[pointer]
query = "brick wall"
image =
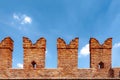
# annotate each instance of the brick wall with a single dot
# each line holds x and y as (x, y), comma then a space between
(6, 48)
(34, 54)
(100, 56)
(67, 68)
(67, 54)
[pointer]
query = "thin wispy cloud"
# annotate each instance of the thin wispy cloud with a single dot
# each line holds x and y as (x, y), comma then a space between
(16, 17)
(19, 65)
(22, 18)
(47, 54)
(116, 45)
(84, 51)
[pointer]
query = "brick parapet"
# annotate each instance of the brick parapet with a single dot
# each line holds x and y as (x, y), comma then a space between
(7, 43)
(67, 61)
(61, 44)
(94, 44)
(40, 43)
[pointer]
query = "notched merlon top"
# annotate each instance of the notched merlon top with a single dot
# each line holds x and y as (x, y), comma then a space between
(61, 44)
(94, 43)
(7, 43)
(40, 43)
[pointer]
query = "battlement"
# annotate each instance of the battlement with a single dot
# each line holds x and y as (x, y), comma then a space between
(34, 54)
(98, 52)
(61, 44)
(7, 43)
(67, 54)
(95, 44)
(67, 67)
(40, 43)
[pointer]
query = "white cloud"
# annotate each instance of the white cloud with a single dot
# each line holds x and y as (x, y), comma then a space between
(84, 51)
(16, 17)
(47, 54)
(19, 65)
(116, 45)
(26, 20)
(22, 18)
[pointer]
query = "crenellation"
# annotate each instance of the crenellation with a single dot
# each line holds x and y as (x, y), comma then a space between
(100, 56)
(34, 54)
(6, 48)
(61, 44)
(74, 43)
(67, 68)
(94, 43)
(67, 54)
(7, 43)
(26, 42)
(40, 43)
(108, 43)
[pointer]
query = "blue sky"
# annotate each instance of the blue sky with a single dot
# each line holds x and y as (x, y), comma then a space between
(61, 18)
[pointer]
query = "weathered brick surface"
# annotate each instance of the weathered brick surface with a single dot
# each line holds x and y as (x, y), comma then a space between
(100, 53)
(67, 54)
(67, 68)
(34, 54)
(6, 48)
